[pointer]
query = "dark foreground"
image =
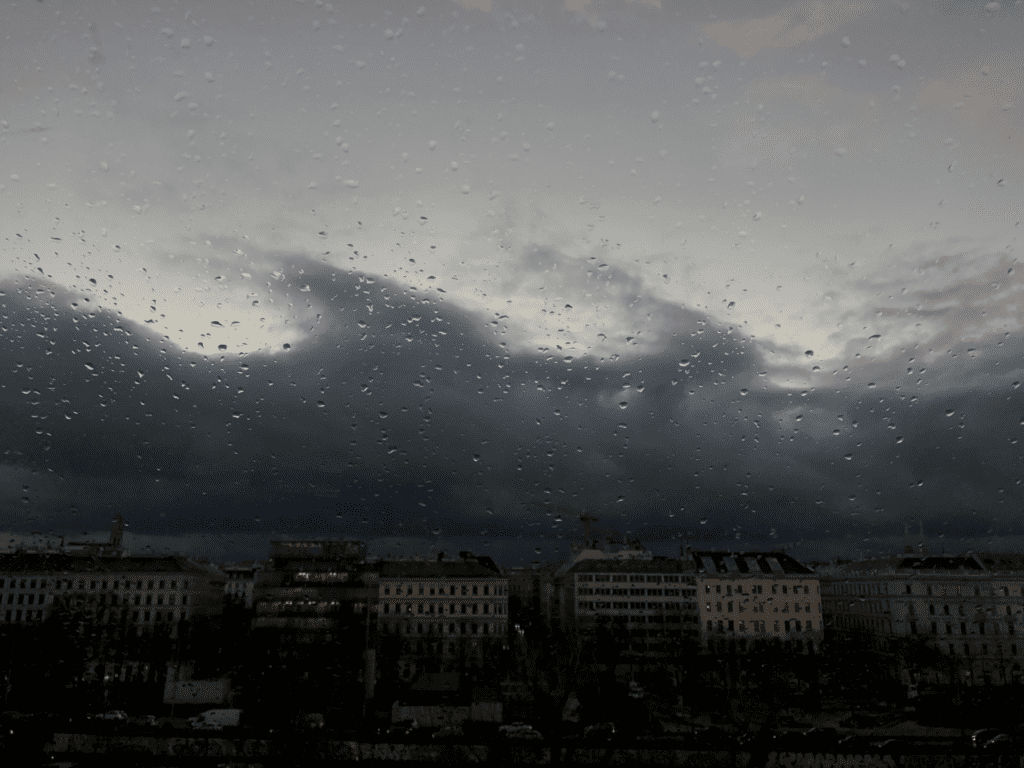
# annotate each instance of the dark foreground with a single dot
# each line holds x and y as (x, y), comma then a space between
(69, 750)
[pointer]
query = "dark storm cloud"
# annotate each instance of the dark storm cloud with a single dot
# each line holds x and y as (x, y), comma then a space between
(409, 417)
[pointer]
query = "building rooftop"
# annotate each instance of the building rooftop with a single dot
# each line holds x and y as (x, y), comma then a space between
(45, 562)
(972, 562)
(767, 563)
(611, 565)
(477, 567)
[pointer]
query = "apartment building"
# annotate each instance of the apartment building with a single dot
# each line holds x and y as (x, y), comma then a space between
(314, 589)
(747, 596)
(969, 607)
(647, 604)
(444, 600)
(137, 590)
(241, 581)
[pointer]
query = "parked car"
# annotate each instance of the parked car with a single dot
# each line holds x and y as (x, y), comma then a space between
(709, 735)
(172, 723)
(851, 743)
(599, 732)
(448, 733)
(821, 737)
(114, 715)
(216, 719)
(514, 728)
(310, 721)
(398, 729)
(528, 735)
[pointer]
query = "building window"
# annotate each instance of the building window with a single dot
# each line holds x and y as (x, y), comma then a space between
(475, 589)
(908, 588)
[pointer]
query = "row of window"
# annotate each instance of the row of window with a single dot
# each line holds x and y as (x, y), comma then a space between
(997, 650)
(635, 592)
(431, 608)
(908, 589)
(15, 615)
(960, 610)
(464, 589)
(964, 628)
(759, 608)
(759, 627)
(633, 578)
(591, 605)
(758, 589)
(462, 628)
(68, 584)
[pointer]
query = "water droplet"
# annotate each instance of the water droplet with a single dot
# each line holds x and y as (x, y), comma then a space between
(950, 412)
(899, 440)
(809, 353)
(476, 457)
(848, 457)
(800, 417)
(623, 404)
(743, 392)
(730, 305)
(835, 431)
(703, 521)
(382, 414)
(287, 346)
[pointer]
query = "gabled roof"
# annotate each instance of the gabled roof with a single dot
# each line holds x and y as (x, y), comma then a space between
(971, 562)
(716, 562)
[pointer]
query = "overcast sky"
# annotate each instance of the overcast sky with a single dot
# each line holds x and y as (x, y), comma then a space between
(446, 276)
